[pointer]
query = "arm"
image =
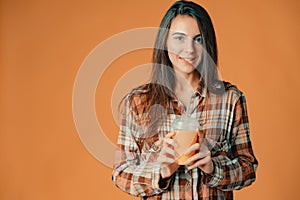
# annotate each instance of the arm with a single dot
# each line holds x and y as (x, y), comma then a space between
(134, 173)
(238, 170)
(138, 178)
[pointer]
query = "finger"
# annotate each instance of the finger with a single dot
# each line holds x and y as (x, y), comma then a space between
(192, 148)
(170, 151)
(196, 157)
(158, 143)
(204, 148)
(165, 160)
(194, 165)
(170, 142)
(200, 162)
(170, 135)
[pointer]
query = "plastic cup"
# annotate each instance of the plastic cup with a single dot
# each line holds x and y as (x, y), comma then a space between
(185, 129)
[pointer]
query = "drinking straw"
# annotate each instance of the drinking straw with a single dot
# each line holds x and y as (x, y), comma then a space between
(187, 113)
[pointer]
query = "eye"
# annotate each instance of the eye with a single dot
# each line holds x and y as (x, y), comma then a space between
(179, 38)
(199, 39)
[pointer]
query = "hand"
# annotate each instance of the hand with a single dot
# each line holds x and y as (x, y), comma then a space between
(201, 158)
(167, 156)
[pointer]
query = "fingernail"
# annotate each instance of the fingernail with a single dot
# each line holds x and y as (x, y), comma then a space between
(186, 162)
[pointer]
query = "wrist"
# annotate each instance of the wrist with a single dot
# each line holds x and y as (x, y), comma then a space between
(168, 170)
(209, 168)
(164, 172)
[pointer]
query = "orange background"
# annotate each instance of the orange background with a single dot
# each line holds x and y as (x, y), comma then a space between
(43, 44)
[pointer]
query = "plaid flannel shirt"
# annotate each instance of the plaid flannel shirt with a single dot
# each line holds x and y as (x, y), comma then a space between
(223, 119)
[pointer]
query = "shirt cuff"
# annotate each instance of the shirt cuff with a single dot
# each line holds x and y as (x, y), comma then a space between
(214, 179)
(159, 184)
(164, 183)
(156, 178)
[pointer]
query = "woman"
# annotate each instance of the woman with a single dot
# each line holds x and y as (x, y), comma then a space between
(184, 82)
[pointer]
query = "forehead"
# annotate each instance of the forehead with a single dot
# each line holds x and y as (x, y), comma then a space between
(185, 24)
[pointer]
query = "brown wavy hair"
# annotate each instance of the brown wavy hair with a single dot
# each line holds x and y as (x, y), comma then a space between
(162, 71)
(161, 88)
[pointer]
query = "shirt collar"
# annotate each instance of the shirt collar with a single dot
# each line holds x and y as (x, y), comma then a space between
(201, 89)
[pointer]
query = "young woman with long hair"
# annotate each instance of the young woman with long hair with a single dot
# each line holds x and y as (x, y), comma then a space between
(184, 81)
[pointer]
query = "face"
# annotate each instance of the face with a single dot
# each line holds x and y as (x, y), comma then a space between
(184, 44)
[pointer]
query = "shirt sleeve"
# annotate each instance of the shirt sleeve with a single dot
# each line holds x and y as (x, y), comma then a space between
(235, 168)
(134, 173)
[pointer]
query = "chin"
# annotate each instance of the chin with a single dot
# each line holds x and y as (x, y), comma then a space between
(185, 69)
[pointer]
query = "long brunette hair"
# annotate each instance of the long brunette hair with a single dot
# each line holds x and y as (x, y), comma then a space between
(162, 71)
(161, 88)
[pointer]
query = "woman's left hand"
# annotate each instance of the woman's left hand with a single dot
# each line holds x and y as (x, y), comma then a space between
(201, 158)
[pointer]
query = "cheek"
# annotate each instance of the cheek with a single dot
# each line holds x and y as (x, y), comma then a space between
(199, 51)
(174, 48)
(172, 57)
(199, 48)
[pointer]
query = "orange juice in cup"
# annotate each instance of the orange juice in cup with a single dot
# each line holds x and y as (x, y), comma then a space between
(185, 129)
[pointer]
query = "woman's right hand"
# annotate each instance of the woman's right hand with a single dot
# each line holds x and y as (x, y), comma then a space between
(167, 156)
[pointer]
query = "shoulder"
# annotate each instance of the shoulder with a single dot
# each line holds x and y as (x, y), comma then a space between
(233, 93)
(139, 95)
(142, 89)
(233, 90)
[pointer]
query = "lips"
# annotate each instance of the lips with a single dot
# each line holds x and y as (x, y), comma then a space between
(189, 60)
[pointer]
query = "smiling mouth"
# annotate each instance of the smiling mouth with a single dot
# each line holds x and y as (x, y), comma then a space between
(188, 60)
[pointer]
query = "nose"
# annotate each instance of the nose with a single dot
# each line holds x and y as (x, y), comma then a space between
(189, 46)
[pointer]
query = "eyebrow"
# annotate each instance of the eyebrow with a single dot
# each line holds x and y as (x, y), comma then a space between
(183, 34)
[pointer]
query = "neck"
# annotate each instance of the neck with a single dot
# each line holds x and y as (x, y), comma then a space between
(186, 82)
